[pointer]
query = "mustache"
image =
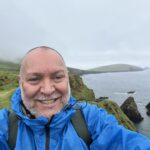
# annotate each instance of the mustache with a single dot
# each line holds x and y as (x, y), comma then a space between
(45, 97)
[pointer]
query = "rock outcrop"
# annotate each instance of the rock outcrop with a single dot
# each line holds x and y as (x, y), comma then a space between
(129, 107)
(148, 109)
(102, 98)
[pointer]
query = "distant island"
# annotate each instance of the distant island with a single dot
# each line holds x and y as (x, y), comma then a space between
(6, 65)
(106, 69)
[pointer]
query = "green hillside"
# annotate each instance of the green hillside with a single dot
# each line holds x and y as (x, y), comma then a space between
(6, 65)
(76, 71)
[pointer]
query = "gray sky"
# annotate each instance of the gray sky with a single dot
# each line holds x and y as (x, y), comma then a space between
(88, 33)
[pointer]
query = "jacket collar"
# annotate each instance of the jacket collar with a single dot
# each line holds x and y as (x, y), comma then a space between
(58, 119)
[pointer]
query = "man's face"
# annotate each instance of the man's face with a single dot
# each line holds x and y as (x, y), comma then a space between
(44, 83)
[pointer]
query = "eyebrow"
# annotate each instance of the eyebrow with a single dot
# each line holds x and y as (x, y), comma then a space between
(33, 74)
(39, 73)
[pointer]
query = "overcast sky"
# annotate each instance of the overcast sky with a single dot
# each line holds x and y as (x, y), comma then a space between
(88, 33)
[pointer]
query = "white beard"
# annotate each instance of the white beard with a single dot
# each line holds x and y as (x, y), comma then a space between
(33, 111)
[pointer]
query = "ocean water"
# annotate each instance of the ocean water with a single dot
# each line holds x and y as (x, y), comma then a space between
(116, 85)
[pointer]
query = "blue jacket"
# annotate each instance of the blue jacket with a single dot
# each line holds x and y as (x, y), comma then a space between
(104, 129)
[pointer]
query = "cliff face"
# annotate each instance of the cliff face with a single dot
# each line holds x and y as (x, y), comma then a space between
(113, 108)
(79, 90)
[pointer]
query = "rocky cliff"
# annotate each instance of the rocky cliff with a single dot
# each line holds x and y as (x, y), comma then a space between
(81, 92)
(79, 89)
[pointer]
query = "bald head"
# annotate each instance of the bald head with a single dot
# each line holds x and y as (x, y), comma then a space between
(37, 52)
(44, 48)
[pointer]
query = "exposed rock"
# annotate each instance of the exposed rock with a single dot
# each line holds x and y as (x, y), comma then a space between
(78, 89)
(148, 108)
(148, 113)
(113, 108)
(102, 98)
(129, 107)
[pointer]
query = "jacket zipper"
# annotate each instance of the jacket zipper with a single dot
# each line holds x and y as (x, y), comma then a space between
(47, 136)
(47, 129)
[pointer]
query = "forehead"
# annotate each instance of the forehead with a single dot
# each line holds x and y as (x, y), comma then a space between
(43, 60)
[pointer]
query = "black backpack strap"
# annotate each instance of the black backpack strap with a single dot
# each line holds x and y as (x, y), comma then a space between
(77, 120)
(80, 126)
(12, 129)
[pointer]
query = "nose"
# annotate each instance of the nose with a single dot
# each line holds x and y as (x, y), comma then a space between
(47, 87)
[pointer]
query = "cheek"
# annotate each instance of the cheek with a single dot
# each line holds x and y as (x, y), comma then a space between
(29, 91)
(64, 88)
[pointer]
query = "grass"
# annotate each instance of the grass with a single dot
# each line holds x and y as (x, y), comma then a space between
(8, 83)
(5, 98)
(8, 79)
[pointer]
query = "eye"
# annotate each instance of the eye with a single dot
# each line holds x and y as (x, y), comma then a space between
(59, 77)
(33, 80)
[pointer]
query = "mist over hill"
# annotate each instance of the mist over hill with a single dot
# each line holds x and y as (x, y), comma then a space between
(102, 69)
(117, 68)
(108, 68)
(8, 65)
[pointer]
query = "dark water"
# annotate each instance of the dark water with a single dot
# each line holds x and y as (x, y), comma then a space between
(116, 85)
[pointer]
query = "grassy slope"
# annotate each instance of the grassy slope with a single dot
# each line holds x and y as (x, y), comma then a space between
(78, 89)
(6, 65)
(114, 109)
(5, 97)
(8, 83)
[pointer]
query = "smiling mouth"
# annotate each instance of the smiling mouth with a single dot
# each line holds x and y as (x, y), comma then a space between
(49, 101)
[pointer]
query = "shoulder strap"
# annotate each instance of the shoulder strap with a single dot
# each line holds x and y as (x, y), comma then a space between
(80, 126)
(77, 120)
(12, 129)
